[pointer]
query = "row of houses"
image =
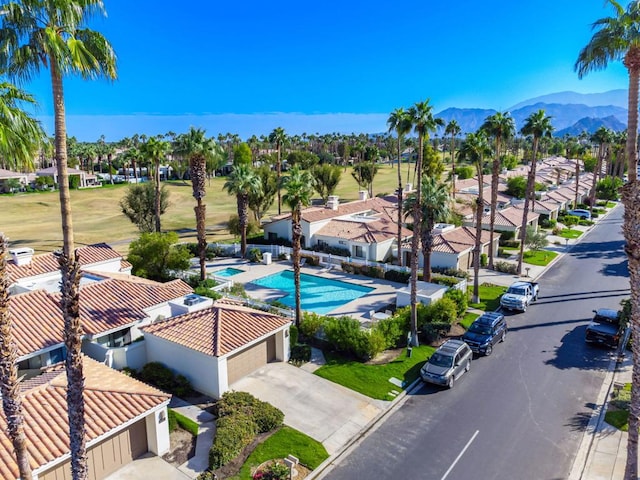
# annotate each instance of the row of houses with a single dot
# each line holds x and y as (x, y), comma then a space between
(367, 228)
(127, 322)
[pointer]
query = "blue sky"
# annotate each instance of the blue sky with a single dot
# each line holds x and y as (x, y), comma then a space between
(247, 67)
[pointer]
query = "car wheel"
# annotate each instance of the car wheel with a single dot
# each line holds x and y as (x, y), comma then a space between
(467, 366)
(488, 350)
(503, 336)
(450, 382)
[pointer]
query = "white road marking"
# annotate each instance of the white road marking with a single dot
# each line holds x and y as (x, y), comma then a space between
(446, 474)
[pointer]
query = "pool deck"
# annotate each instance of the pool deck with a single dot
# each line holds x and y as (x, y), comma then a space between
(383, 295)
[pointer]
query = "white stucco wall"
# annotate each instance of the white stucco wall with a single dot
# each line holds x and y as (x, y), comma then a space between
(200, 369)
(158, 431)
(443, 260)
(281, 228)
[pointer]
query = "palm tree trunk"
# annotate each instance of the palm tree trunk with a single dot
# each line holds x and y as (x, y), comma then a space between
(279, 174)
(201, 213)
(135, 171)
(478, 240)
(596, 174)
(630, 229)
(296, 233)
(417, 220)
(427, 247)
(242, 220)
(530, 191)
(575, 199)
(453, 167)
(70, 292)
(9, 384)
(157, 197)
(400, 191)
(495, 171)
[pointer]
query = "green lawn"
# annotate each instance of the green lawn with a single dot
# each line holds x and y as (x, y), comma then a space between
(618, 419)
(611, 204)
(184, 422)
(510, 248)
(468, 319)
(570, 233)
(489, 297)
(540, 258)
(373, 380)
(285, 441)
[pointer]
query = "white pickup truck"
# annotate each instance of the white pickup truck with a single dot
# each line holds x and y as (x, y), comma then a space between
(519, 295)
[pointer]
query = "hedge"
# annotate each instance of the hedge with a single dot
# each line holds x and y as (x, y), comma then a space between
(161, 376)
(241, 417)
(312, 260)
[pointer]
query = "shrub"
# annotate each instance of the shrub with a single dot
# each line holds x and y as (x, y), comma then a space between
(345, 335)
(442, 280)
(366, 270)
(293, 335)
(339, 251)
(233, 433)
(506, 236)
(431, 332)
(254, 255)
(392, 329)
(464, 172)
(266, 416)
(557, 230)
(460, 299)
(161, 376)
(505, 267)
(173, 423)
(443, 311)
(585, 223)
(311, 324)
(547, 223)
(377, 343)
(570, 220)
(451, 272)
(207, 292)
(397, 276)
(483, 260)
(312, 260)
(181, 386)
(511, 243)
(300, 354)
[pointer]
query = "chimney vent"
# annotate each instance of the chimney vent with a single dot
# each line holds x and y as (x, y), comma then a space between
(21, 256)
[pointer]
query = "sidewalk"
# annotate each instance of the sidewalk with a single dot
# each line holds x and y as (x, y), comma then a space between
(206, 432)
(603, 451)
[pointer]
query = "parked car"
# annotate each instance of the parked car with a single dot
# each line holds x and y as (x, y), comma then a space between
(579, 212)
(487, 330)
(605, 328)
(448, 363)
(519, 295)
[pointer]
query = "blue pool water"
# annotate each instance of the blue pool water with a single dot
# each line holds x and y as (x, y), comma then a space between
(319, 295)
(227, 272)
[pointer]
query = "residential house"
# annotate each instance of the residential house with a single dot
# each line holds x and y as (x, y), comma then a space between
(125, 419)
(7, 177)
(216, 346)
(366, 228)
(84, 179)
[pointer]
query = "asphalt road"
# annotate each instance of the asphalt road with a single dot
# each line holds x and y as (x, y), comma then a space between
(520, 413)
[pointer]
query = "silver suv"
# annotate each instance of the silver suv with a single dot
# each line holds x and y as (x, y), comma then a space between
(448, 363)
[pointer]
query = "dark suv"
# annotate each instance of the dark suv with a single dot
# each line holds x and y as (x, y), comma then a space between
(605, 328)
(487, 330)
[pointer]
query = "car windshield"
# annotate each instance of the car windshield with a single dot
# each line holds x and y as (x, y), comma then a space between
(517, 291)
(440, 360)
(480, 329)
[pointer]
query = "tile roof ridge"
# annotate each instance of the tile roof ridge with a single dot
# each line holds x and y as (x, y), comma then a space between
(217, 331)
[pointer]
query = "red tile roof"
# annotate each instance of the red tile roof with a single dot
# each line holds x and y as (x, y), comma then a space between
(366, 231)
(37, 321)
(48, 262)
(316, 214)
(111, 399)
(218, 330)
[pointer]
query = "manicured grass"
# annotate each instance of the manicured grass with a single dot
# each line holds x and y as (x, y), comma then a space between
(510, 248)
(540, 258)
(570, 233)
(611, 204)
(184, 422)
(468, 319)
(489, 296)
(373, 380)
(97, 216)
(286, 441)
(618, 419)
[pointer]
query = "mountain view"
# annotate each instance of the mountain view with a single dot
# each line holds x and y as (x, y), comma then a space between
(571, 112)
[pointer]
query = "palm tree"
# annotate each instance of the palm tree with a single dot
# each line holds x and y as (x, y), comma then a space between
(155, 150)
(9, 382)
(538, 125)
(198, 148)
(278, 137)
(401, 124)
(298, 187)
(52, 35)
(453, 129)
(501, 127)
(242, 182)
(616, 38)
(435, 205)
(423, 122)
(20, 134)
(574, 151)
(474, 148)
(602, 137)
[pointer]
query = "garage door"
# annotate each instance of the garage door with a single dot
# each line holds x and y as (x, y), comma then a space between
(251, 359)
(109, 455)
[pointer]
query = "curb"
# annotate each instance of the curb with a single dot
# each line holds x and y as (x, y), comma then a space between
(326, 466)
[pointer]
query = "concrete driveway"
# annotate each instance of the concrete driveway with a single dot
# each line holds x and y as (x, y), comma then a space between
(327, 412)
(148, 466)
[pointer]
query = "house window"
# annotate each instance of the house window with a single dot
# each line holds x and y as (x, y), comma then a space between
(342, 242)
(116, 339)
(273, 236)
(358, 251)
(322, 243)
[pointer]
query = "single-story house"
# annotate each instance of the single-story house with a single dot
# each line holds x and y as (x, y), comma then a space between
(366, 228)
(507, 220)
(125, 419)
(7, 177)
(86, 179)
(216, 346)
(31, 272)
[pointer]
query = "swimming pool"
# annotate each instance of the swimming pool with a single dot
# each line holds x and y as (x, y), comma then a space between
(319, 295)
(227, 272)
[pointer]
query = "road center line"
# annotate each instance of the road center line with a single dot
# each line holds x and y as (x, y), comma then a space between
(446, 474)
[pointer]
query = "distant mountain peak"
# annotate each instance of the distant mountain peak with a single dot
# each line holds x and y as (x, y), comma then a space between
(616, 98)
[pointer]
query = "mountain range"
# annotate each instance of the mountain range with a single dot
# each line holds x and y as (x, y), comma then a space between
(571, 112)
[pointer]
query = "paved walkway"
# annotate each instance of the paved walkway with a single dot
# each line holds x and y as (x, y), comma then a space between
(206, 433)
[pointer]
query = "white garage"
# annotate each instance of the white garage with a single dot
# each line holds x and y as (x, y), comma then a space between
(217, 346)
